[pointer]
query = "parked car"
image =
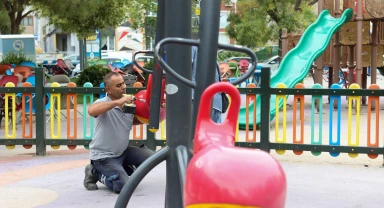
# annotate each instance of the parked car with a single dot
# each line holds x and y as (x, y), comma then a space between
(75, 58)
(237, 59)
(145, 59)
(272, 62)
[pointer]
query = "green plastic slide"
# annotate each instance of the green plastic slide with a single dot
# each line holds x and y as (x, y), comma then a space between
(296, 63)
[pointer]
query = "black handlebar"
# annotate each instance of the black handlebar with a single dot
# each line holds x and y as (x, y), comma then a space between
(184, 41)
(138, 66)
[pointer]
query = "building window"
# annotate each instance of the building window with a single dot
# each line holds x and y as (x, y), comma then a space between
(224, 38)
(27, 21)
(223, 19)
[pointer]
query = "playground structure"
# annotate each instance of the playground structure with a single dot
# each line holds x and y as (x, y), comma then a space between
(363, 34)
(354, 36)
(296, 63)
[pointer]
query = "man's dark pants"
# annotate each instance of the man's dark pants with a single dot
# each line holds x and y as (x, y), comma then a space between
(114, 172)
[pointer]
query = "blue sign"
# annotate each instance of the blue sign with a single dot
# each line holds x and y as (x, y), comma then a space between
(18, 43)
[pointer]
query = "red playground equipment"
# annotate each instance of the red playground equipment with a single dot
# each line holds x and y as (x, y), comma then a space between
(222, 175)
(243, 66)
(143, 101)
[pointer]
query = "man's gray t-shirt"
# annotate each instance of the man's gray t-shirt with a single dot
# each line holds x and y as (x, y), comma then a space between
(112, 130)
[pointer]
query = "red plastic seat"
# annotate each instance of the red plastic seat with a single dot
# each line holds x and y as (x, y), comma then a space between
(243, 65)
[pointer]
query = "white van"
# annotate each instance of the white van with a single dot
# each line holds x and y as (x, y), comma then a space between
(117, 55)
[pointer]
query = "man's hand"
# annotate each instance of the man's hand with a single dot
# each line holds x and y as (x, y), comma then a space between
(125, 99)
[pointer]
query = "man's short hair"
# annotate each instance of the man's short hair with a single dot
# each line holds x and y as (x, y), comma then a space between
(108, 77)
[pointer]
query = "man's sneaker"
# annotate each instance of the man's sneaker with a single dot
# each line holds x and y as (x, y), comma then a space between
(90, 180)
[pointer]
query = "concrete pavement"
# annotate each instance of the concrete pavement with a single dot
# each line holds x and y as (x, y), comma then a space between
(56, 181)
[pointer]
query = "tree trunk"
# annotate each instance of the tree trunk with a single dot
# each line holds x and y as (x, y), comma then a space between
(14, 27)
(280, 52)
(15, 12)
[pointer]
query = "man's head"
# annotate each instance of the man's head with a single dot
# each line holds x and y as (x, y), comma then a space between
(114, 85)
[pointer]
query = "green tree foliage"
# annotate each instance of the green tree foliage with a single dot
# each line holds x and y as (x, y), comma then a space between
(16, 10)
(142, 16)
(84, 17)
(5, 23)
(258, 21)
(137, 10)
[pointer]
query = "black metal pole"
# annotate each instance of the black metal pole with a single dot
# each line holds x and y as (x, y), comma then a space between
(41, 148)
(157, 70)
(265, 108)
(207, 52)
(178, 24)
(81, 49)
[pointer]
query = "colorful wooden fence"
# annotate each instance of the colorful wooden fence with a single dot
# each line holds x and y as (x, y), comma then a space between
(296, 114)
(316, 114)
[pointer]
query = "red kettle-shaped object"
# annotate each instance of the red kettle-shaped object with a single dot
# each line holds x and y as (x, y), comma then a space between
(222, 175)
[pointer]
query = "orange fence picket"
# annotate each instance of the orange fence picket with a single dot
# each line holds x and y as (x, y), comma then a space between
(26, 99)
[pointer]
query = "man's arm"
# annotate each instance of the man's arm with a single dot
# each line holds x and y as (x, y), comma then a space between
(99, 108)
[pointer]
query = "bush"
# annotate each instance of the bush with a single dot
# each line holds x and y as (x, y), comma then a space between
(223, 55)
(93, 74)
(148, 65)
(14, 58)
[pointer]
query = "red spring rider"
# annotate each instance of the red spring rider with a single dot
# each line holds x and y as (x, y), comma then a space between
(143, 101)
(222, 175)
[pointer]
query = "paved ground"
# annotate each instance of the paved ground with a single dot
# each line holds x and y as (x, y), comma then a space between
(56, 181)
(323, 181)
